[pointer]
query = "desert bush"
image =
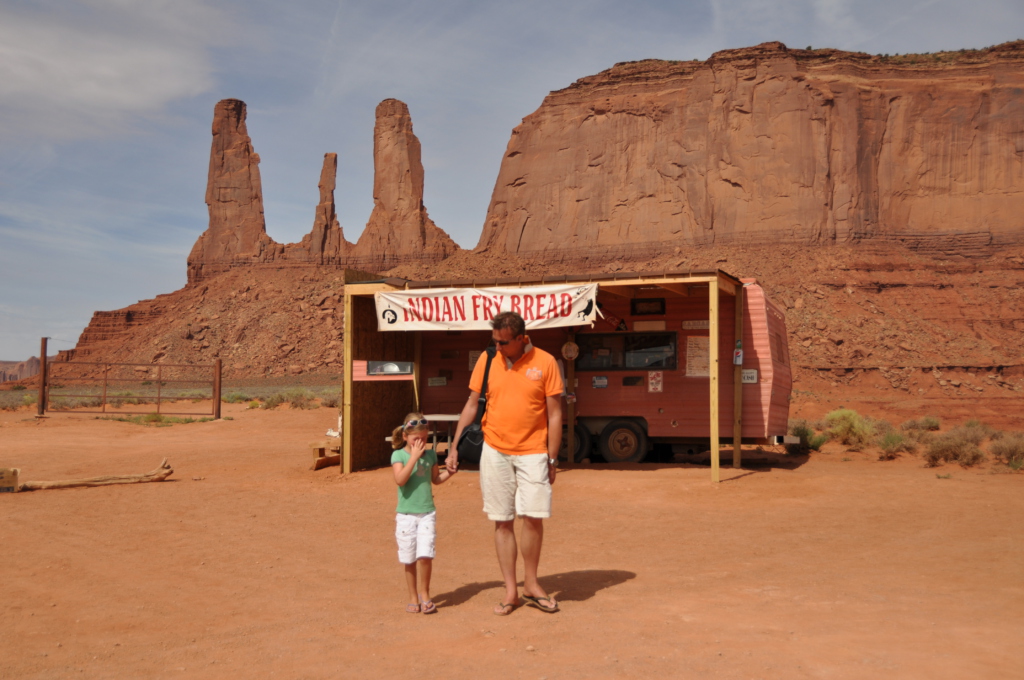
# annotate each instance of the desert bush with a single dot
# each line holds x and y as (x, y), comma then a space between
(253, 404)
(808, 439)
(297, 397)
(881, 427)
(68, 403)
(850, 428)
(273, 401)
(892, 443)
(18, 388)
(1010, 448)
(301, 398)
(927, 423)
(330, 400)
(954, 446)
(975, 430)
(235, 398)
(29, 399)
(155, 420)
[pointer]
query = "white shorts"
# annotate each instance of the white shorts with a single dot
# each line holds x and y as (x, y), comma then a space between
(514, 485)
(415, 534)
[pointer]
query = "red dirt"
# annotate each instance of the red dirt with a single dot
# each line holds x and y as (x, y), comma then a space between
(261, 568)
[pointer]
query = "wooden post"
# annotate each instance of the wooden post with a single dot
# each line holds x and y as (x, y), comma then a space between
(217, 365)
(41, 401)
(417, 359)
(346, 392)
(713, 366)
(159, 379)
(570, 417)
(737, 386)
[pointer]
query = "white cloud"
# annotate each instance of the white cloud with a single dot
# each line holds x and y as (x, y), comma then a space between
(74, 69)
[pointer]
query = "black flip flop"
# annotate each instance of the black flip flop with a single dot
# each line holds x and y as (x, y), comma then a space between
(535, 602)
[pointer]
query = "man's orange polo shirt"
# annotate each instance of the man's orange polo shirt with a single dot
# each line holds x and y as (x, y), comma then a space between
(516, 420)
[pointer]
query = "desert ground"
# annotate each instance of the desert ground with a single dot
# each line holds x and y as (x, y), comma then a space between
(247, 564)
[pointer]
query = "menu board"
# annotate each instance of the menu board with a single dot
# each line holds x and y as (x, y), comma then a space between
(698, 356)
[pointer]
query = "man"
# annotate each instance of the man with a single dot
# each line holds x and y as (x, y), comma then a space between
(522, 429)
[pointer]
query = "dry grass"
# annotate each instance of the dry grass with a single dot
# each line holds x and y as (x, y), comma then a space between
(850, 428)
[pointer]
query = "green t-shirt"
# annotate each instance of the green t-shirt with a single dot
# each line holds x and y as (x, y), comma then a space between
(416, 496)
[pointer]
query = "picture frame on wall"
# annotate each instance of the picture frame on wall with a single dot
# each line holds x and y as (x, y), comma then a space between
(647, 306)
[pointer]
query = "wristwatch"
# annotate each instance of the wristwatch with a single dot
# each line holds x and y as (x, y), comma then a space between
(553, 462)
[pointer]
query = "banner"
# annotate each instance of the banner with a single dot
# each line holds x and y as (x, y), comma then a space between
(451, 309)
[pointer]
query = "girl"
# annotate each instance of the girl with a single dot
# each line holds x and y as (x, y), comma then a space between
(415, 467)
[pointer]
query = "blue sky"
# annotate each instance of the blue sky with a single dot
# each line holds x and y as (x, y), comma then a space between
(105, 111)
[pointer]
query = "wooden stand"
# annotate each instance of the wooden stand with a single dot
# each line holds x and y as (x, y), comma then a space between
(326, 453)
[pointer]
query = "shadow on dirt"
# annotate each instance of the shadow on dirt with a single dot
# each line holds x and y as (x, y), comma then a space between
(758, 460)
(572, 586)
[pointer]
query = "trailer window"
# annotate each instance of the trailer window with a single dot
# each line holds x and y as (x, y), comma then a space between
(626, 351)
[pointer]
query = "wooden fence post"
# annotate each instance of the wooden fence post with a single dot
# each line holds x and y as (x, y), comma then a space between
(216, 388)
(41, 402)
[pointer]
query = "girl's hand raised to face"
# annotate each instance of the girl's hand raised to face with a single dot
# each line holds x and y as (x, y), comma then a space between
(416, 445)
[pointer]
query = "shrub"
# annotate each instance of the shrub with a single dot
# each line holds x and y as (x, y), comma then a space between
(882, 427)
(976, 431)
(151, 418)
(1010, 448)
(808, 439)
(850, 428)
(892, 443)
(18, 388)
(253, 404)
(29, 399)
(926, 423)
(817, 441)
(953, 447)
(235, 398)
(273, 401)
(301, 398)
(330, 400)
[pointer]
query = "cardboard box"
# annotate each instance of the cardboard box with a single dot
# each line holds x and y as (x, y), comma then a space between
(9, 480)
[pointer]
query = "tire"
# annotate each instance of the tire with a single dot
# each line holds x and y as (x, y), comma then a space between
(583, 444)
(623, 441)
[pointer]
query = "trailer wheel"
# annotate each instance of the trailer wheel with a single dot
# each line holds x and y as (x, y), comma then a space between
(623, 441)
(582, 444)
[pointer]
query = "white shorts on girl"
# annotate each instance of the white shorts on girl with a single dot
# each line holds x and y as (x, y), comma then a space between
(415, 533)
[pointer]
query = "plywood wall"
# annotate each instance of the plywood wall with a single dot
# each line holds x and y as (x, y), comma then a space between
(377, 407)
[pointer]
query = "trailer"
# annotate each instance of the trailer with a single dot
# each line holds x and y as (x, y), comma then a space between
(648, 359)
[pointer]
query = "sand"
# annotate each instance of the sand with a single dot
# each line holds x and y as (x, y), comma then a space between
(247, 564)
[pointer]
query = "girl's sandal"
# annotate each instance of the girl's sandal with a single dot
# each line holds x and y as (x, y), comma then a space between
(428, 607)
(504, 609)
(412, 609)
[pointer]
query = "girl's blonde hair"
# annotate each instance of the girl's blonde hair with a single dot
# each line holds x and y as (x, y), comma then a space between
(398, 434)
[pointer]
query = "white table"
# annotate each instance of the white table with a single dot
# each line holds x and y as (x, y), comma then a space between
(448, 418)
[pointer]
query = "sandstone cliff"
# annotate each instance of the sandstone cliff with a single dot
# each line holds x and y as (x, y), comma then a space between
(768, 145)
(398, 230)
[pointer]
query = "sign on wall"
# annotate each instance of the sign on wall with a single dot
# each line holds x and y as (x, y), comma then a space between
(698, 356)
(441, 309)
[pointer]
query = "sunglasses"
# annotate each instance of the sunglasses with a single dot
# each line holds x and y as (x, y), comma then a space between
(502, 343)
(414, 423)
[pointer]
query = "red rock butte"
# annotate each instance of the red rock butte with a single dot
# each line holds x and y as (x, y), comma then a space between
(879, 199)
(769, 145)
